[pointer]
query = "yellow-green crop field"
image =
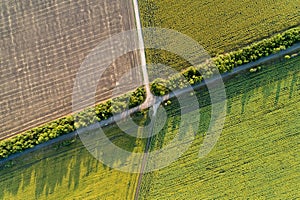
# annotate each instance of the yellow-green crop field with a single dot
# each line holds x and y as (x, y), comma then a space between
(222, 26)
(257, 155)
(68, 172)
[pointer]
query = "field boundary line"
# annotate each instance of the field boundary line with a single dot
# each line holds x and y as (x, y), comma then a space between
(224, 76)
(149, 95)
(120, 116)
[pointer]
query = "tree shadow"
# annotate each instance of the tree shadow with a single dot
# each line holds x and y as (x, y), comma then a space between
(267, 80)
(293, 84)
(277, 95)
(47, 168)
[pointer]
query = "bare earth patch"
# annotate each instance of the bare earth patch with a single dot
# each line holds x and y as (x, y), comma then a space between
(42, 45)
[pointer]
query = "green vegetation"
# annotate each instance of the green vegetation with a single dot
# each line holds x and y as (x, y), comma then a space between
(222, 26)
(160, 87)
(257, 154)
(287, 57)
(227, 62)
(68, 171)
(68, 124)
(258, 50)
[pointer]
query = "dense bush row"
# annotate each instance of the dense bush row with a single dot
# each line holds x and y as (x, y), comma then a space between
(227, 62)
(36, 136)
(109, 108)
(258, 50)
(68, 124)
(159, 87)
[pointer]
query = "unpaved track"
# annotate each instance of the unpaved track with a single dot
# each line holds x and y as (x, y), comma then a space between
(42, 45)
(225, 76)
(238, 70)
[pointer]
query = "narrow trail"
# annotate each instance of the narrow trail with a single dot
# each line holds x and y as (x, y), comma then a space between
(149, 95)
(147, 148)
(224, 76)
(118, 117)
(151, 101)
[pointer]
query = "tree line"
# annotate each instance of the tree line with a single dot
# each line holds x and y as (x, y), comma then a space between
(191, 75)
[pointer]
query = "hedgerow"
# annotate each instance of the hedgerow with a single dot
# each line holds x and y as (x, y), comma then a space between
(159, 87)
(258, 50)
(227, 62)
(68, 124)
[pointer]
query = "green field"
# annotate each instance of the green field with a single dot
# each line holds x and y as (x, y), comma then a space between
(257, 155)
(68, 172)
(221, 26)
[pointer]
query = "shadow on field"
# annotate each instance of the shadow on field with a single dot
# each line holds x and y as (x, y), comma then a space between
(63, 165)
(269, 79)
(46, 170)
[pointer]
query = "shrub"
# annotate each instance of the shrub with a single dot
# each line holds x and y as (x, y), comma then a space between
(258, 50)
(68, 124)
(228, 61)
(159, 87)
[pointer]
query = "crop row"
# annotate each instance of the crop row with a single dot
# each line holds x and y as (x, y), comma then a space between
(224, 63)
(191, 75)
(256, 154)
(218, 27)
(68, 124)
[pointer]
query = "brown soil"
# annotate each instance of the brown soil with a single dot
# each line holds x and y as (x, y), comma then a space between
(42, 45)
